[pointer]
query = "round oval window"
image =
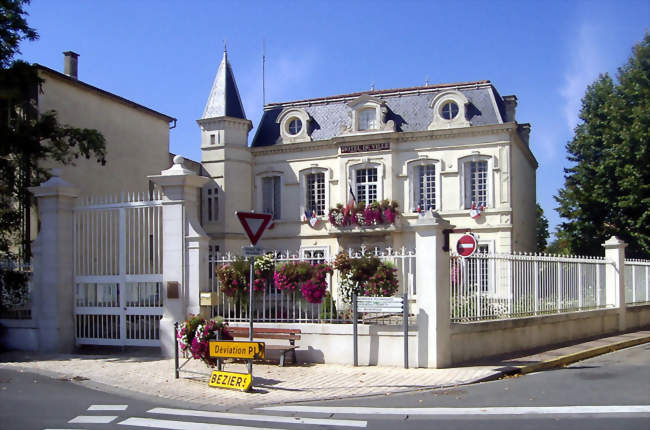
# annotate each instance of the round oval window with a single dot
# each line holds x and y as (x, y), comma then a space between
(295, 125)
(449, 110)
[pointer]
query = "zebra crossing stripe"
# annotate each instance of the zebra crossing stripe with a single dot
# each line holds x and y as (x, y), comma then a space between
(261, 418)
(92, 419)
(509, 410)
(184, 425)
(107, 407)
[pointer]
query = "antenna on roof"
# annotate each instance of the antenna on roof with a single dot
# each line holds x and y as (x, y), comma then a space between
(225, 48)
(372, 86)
(426, 82)
(263, 71)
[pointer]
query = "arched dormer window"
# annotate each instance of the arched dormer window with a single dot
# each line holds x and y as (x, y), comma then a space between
(294, 125)
(368, 115)
(449, 110)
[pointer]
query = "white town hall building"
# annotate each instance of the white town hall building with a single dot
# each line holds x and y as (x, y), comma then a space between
(448, 148)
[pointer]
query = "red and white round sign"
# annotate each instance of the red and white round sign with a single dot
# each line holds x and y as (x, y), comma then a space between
(466, 245)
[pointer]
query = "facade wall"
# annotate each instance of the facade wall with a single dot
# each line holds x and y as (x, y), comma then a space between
(524, 197)
(446, 149)
(137, 142)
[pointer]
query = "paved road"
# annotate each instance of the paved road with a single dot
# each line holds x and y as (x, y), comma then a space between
(575, 397)
(599, 393)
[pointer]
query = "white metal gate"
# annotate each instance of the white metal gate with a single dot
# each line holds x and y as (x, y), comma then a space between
(118, 270)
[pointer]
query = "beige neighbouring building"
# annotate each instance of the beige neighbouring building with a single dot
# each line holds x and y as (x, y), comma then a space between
(137, 137)
(445, 148)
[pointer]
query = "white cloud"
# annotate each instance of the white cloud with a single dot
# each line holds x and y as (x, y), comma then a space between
(585, 65)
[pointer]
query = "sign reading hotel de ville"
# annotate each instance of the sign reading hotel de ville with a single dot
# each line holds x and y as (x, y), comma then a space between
(365, 147)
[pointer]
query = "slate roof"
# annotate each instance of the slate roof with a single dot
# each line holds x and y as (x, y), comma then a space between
(409, 108)
(224, 97)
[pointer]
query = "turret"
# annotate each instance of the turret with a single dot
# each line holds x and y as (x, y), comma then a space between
(226, 159)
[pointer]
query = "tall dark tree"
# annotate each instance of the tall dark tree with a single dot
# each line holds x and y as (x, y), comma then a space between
(541, 229)
(28, 137)
(607, 189)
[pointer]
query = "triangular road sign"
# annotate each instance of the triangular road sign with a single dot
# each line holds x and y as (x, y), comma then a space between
(254, 224)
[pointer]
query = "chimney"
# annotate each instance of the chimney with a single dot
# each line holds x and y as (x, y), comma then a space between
(70, 64)
(511, 107)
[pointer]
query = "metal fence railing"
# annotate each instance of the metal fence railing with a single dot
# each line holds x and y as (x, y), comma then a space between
(637, 281)
(274, 305)
(494, 286)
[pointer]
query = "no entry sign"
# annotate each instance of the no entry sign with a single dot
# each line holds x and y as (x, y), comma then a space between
(466, 245)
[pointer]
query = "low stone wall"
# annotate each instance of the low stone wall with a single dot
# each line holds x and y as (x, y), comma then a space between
(18, 334)
(333, 343)
(478, 340)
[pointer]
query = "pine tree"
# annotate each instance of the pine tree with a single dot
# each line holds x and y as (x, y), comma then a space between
(541, 229)
(607, 190)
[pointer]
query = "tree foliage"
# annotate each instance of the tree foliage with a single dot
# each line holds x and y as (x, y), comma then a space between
(27, 137)
(541, 229)
(607, 189)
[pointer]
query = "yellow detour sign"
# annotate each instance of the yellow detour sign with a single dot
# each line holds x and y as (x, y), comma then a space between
(236, 381)
(233, 349)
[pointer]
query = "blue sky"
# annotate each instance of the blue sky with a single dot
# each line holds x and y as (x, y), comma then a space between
(165, 54)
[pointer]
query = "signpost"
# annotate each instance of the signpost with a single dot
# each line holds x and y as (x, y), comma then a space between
(466, 245)
(236, 381)
(254, 225)
(234, 349)
(388, 305)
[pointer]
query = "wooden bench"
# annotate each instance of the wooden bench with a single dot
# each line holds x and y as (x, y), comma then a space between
(290, 334)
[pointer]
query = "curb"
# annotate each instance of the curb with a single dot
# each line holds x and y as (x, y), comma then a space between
(582, 355)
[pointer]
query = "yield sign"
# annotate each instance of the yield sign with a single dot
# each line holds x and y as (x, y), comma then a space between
(254, 224)
(466, 245)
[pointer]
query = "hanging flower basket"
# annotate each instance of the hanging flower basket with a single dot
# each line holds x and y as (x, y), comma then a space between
(374, 214)
(365, 276)
(309, 279)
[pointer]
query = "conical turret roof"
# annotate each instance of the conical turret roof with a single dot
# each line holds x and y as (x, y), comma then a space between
(224, 97)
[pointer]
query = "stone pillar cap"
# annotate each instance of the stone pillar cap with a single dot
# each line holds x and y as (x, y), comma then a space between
(178, 168)
(614, 242)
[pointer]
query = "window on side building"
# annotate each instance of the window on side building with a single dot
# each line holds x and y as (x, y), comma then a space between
(271, 199)
(212, 204)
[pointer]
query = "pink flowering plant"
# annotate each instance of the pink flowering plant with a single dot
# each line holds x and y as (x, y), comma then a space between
(362, 215)
(234, 278)
(314, 289)
(263, 269)
(309, 279)
(365, 276)
(194, 336)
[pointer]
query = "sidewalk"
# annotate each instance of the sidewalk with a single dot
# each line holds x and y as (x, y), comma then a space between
(148, 375)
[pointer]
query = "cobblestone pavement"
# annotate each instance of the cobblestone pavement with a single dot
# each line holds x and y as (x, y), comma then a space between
(272, 384)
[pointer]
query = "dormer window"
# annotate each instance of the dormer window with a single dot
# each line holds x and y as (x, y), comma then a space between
(368, 115)
(449, 110)
(367, 119)
(294, 125)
